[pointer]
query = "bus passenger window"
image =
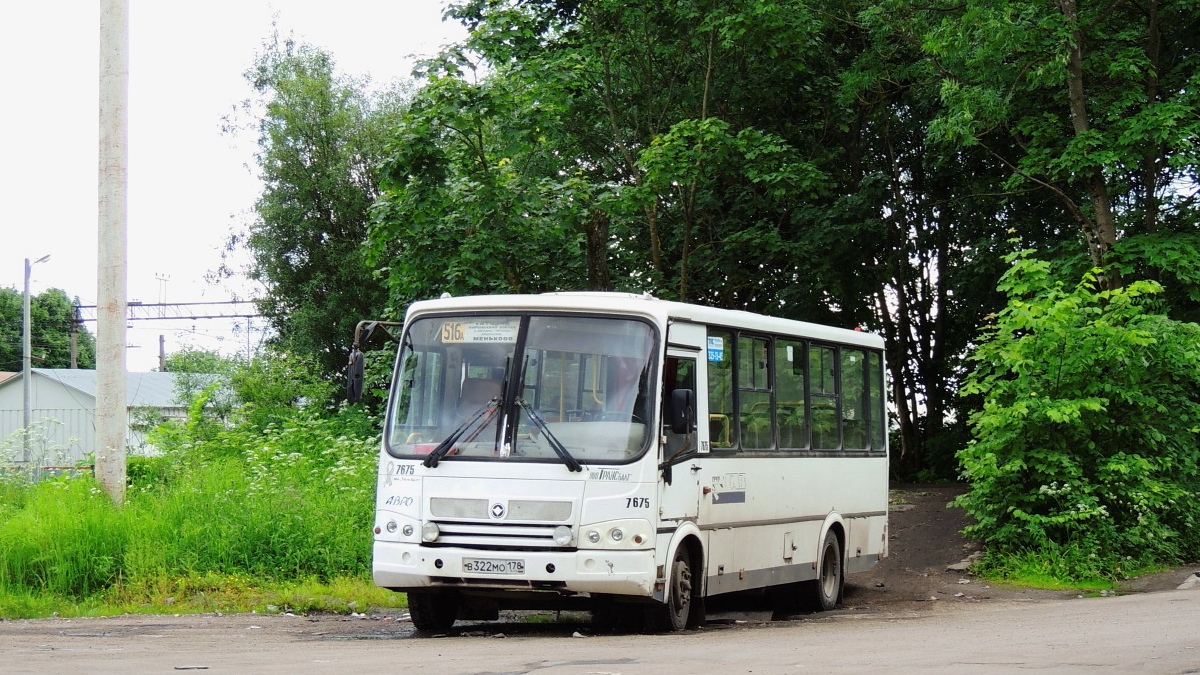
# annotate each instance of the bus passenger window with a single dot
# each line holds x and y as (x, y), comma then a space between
(854, 392)
(875, 401)
(792, 416)
(720, 389)
(756, 415)
(822, 389)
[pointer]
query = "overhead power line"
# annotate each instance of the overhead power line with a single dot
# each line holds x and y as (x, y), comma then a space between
(187, 311)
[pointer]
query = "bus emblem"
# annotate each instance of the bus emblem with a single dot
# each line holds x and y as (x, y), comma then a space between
(497, 510)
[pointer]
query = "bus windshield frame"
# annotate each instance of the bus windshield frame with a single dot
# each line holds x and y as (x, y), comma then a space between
(526, 387)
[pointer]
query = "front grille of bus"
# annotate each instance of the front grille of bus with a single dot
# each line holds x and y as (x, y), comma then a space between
(527, 525)
(518, 509)
(496, 537)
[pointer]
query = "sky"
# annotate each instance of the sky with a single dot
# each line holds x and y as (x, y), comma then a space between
(190, 184)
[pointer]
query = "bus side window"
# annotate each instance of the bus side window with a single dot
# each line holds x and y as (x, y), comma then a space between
(854, 392)
(680, 373)
(875, 406)
(791, 412)
(720, 389)
(756, 417)
(822, 387)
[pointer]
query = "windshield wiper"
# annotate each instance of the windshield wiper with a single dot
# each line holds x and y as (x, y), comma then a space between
(572, 463)
(487, 412)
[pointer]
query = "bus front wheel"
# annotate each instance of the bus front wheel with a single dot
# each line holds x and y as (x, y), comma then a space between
(433, 612)
(682, 608)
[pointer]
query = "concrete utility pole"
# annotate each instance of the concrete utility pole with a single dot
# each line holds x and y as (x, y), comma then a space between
(75, 338)
(112, 416)
(27, 359)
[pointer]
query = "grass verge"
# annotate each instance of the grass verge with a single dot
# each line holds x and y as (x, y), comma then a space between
(210, 593)
(1060, 568)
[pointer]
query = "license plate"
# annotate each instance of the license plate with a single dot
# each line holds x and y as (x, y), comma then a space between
(493, 566)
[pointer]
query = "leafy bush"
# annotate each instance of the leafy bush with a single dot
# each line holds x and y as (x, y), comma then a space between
(1087, 436)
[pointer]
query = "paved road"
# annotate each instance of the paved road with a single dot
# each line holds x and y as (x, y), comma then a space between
(1144, 633)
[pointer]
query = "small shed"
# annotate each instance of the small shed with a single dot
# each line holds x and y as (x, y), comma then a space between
(63, 413)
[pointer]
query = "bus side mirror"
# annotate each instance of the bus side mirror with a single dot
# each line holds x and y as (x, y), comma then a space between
(354, 376)
(683, 411)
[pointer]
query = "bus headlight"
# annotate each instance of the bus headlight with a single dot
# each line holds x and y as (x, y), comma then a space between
(626, 534)
(430, 532)
(562, 535)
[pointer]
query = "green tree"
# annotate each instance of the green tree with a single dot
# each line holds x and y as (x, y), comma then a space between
(1094, 103)
(767, 156)
(636, 146)
(52, 321)
(1088, 439)
(276, 385)
(472, 202)
(858, 164)
(227, 392)
(321, 141)
(204, 374)
(204, 361)
(987, 120)
(942, 218)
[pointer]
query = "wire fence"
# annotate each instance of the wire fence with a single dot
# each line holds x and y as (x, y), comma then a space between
(43, 457)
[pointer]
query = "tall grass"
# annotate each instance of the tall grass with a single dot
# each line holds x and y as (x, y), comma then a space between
(225, 511)
(65, 539)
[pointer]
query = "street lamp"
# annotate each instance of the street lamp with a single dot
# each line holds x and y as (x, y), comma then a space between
(27, 355)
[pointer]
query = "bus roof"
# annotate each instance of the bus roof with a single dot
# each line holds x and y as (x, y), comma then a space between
(660, 311)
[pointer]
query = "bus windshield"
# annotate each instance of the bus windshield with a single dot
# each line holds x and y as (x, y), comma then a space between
(578, 389)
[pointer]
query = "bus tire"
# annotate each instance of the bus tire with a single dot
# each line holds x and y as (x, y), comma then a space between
(433, 612)
(676, 613)
(825, 592)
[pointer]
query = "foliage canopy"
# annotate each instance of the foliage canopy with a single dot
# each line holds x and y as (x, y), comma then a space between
(321, 137)
(860, 164)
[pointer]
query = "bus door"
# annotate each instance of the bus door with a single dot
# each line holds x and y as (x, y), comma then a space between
(680, 454)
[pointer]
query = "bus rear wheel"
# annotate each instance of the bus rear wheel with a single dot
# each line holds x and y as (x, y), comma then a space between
(433, 611)
(825, 592)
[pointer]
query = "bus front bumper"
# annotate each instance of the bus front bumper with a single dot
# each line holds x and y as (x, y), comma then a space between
(403, 566)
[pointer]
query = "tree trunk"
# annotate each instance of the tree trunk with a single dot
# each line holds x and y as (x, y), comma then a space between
(1100, 231)
(596, 231)
(906, 456)
(1150, 159)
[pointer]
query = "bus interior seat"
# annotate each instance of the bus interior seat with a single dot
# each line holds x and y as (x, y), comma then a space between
(476, 392)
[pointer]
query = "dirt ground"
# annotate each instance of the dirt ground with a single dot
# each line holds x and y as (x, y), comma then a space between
(925, 540)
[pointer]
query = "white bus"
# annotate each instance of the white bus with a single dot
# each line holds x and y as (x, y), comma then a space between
(626, 455)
